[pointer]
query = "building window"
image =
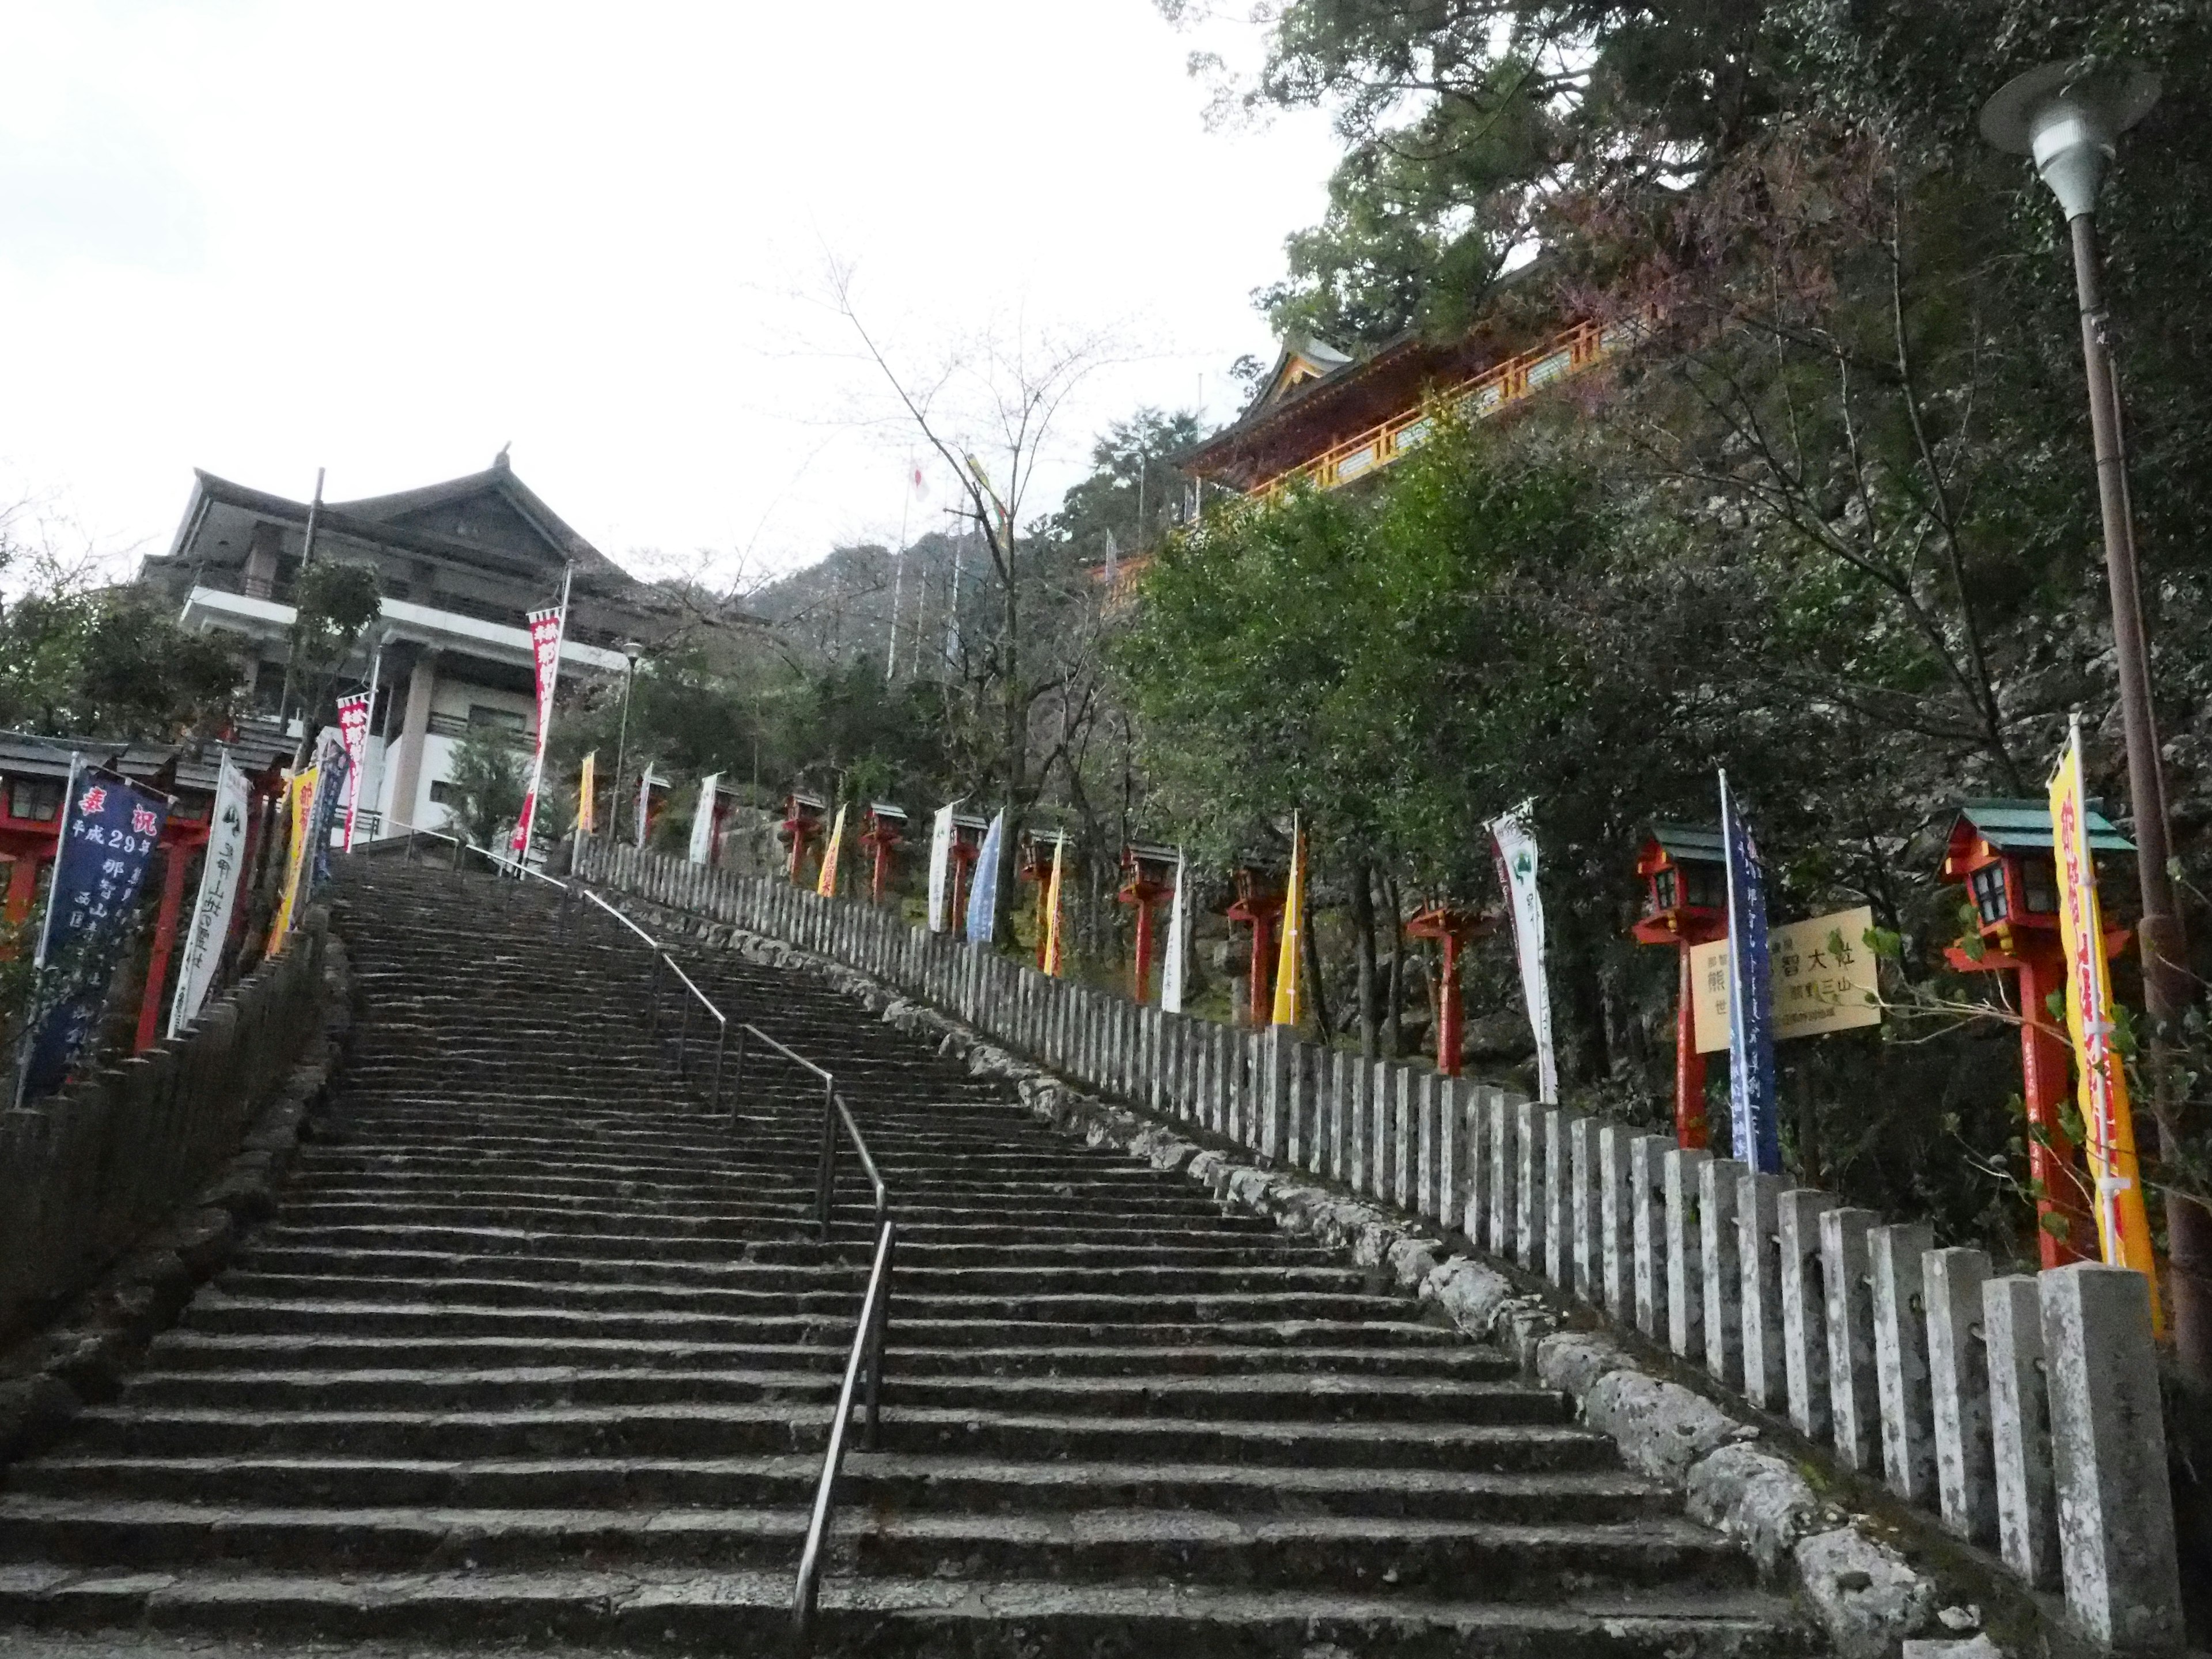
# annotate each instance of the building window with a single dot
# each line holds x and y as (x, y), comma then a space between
(484, 717)
(443, 793)
(39, 800)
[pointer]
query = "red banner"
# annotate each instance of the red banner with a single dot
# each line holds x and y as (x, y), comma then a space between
(546, 656)
(353, 733)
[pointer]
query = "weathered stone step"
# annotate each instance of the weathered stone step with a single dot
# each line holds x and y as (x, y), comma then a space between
(722, 1430)
(214, 1310)
(1534, 1562)
(873, 1481)
(354, 1208)
(1179, 1308)
(1291, 1397)
(189, 1349)
(727, 1612)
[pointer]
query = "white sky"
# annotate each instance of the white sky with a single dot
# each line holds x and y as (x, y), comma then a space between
(259, 238)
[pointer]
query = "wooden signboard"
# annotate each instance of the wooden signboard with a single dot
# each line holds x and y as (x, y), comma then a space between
(1818, 988)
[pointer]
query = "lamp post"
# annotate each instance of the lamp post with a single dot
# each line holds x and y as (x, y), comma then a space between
(2068, 117)
(631, 651)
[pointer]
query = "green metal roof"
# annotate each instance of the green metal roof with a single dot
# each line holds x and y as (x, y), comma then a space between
(2016, 826)
(1690, 841)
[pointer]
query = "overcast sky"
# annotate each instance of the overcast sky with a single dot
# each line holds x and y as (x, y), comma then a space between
(258, 238)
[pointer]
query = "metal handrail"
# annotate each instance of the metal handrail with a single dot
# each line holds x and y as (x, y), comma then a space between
(867, 1358)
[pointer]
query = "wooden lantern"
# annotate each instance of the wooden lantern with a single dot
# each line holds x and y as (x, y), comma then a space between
(885, 829)
(1148, 873)
(1684, 871)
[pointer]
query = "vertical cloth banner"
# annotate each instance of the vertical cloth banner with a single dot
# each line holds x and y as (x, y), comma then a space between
(332, 773)
(353, 733)
(220, 868)
(1290, 998)
(1052, 939)
(1752, 1112)
(1515, 845)
(645, 782)
(983, 896)
(940, 869)
(2123, 1227)
(545, 629)
(105, 839)
(1178, 943)
(702, 821)
(587, 793)
(301, 801)
(825, 884)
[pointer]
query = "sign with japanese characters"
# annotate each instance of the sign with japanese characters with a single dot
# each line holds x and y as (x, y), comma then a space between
(545, 629)
(108, 832)
(220, 869)
(1822, 973)
(353, 733)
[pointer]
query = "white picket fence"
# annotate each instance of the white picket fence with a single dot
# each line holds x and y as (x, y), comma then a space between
(2023, 1411)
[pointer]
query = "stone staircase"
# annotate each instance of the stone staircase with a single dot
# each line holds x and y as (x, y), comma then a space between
(537, 1349)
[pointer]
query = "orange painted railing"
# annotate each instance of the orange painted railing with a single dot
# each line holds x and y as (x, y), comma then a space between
(1495, 389)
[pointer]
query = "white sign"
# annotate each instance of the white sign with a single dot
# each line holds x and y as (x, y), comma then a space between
(703, 822)
(1517, 873)
(1178, 944)
(940, 867)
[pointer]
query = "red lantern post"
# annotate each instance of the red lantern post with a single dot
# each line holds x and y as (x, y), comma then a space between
(1453, 928)
(1684, 904)
(1035, 867)
(2002, 851)
(801, 828)
(967, 846)
(886, 830)
(1259, 902)
(1147, 877)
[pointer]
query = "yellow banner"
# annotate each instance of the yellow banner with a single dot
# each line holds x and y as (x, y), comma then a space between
(1290, 1001)
(1052, 942)
(1817, 988)
(825, 884)
(296, 859)
(2123, 1227)
(587, 789)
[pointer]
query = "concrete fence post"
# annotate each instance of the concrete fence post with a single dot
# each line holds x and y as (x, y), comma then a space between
(1275, 1061)
(2020, 1429)
(1529, 1184)
(1504, 1171)
(1228, 1055)
(1404, 1135)
(1588, 1209)
(2116, 1539)
(1455, 1146)
(1647, 1176)
(1900, 1359)
(1804, 1309)
(1681, 1176)
(1382, 1084)
(1351, 1093)
(1428, 1154)
(1720, 1257)
(1846, 1278)
(1959, 1391)
(1617, 1215)
(1559, 1196)
(1477, 1218)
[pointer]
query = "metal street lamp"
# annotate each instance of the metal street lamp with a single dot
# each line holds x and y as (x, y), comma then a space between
(2068, 117)
(631, 650)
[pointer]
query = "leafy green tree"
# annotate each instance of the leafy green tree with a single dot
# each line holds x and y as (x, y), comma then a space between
(489, 781)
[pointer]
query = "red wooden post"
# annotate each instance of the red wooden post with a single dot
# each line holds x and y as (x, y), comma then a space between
(1259, 902)
(1684, 905)
(1453, 928)
(1142, 989)
(1690, 1130)
(22, 887)
(1147, 877)
(164, 941)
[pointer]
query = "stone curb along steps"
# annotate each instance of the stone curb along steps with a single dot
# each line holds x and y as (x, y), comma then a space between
(1858, 1587)
(81, 1357)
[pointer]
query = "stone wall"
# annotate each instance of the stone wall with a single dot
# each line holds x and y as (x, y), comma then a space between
(86, 1173)
(2022, 1412)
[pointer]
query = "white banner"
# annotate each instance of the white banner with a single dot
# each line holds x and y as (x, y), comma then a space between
(353, 733)
(940, 868)
(1516, 874)
(702, 822)
(1178, 943)
(219, 876)
(645, 782)
(546, 628)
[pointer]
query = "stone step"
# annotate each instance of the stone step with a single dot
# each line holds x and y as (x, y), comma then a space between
(1293, 1397)
(723, 1611)
(872, 1482)
(723, 1430)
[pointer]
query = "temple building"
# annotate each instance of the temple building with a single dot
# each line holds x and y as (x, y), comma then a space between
(459, 565)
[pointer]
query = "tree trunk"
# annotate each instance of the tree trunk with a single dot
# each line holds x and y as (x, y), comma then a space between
(1363, 922)
(1393, 1023)
(1309, 948)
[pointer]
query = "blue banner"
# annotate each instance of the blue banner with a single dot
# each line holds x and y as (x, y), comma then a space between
(108, 832)
(330, 770)
(983, 895)
(1751, 999)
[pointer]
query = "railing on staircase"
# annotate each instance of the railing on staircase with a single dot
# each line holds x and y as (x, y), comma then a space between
(863, 1365)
